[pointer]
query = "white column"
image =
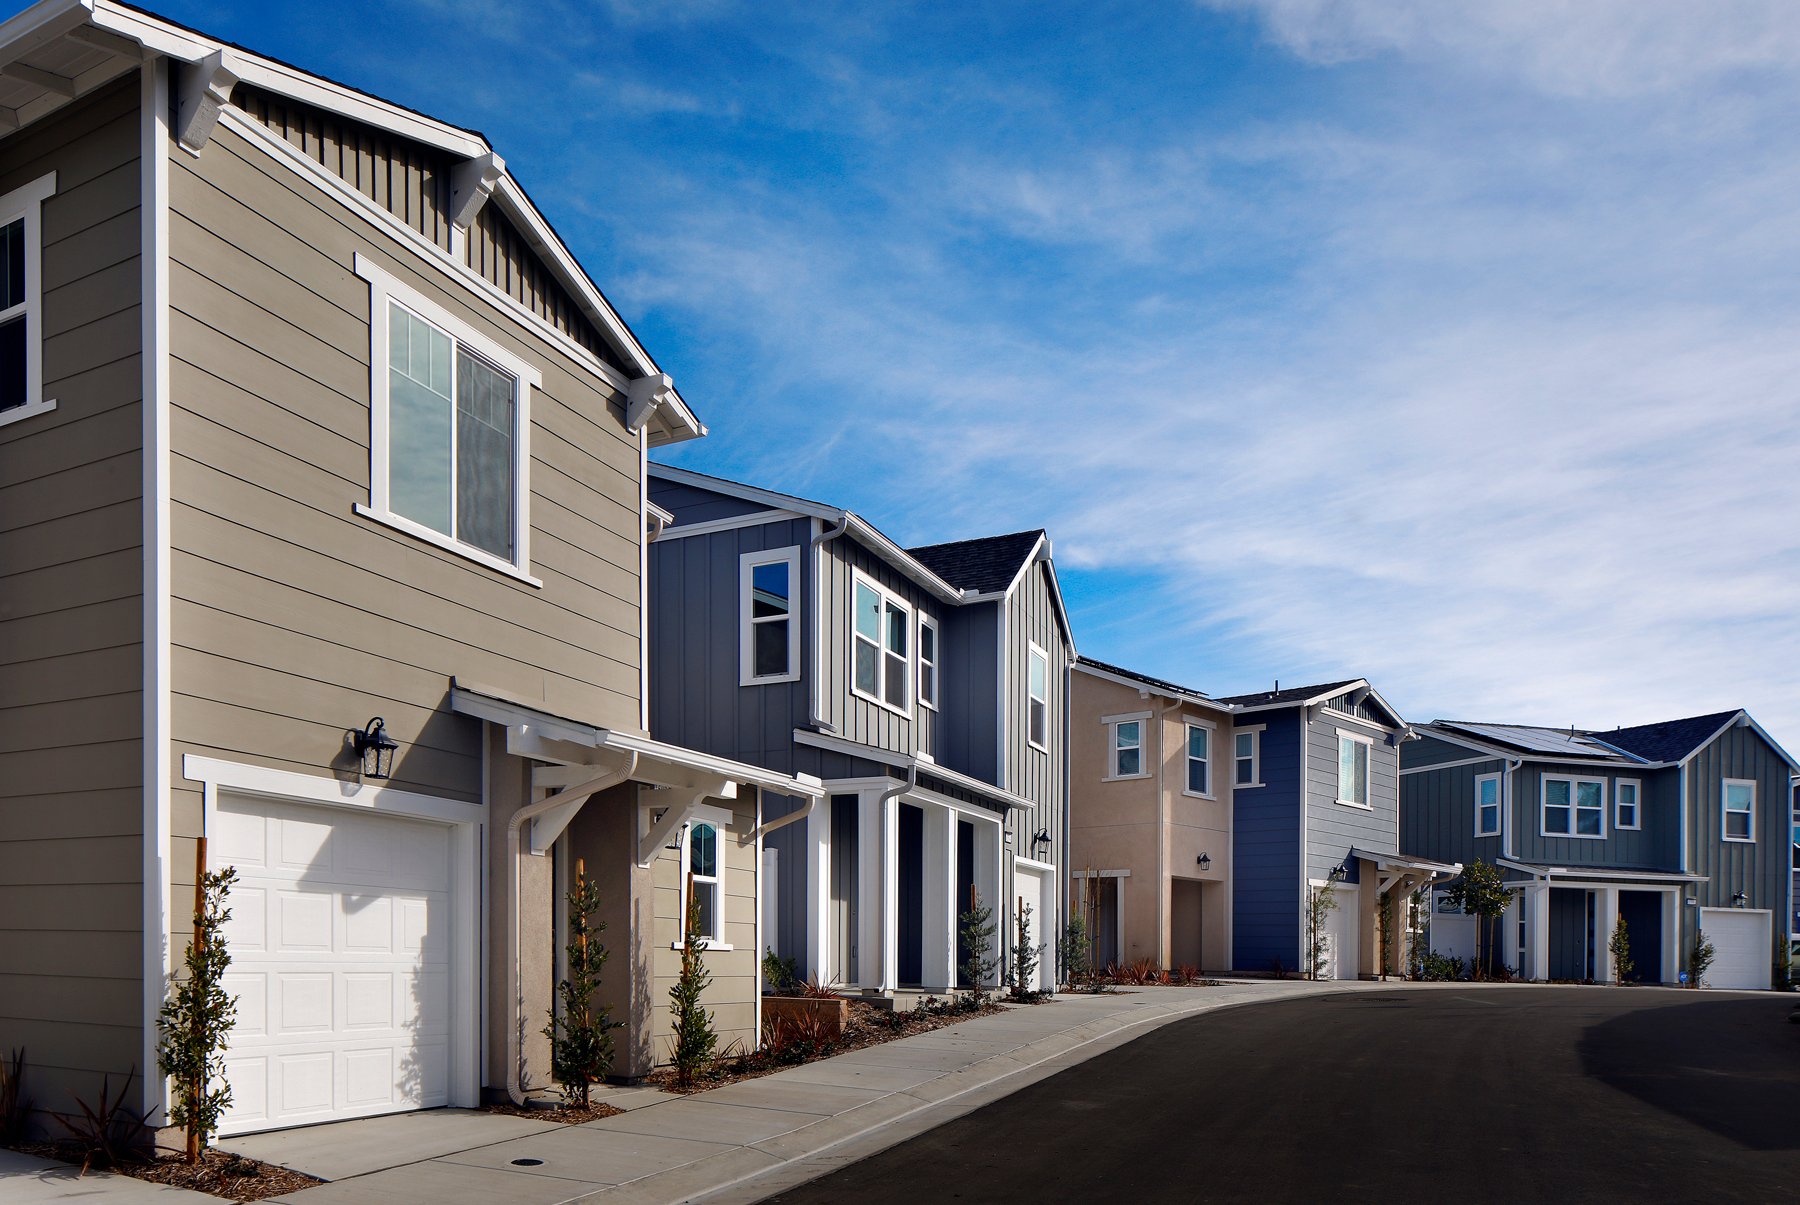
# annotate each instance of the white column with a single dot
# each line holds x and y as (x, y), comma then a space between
(877, 952)
(939, 920)
(818, 893)
(1606, 915)
(890, 894)
(988, 852)
(1537, 926)
(1671, 918)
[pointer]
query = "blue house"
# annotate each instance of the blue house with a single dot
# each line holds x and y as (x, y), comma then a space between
(927, 688)
(1316, 803)
(1673, 827)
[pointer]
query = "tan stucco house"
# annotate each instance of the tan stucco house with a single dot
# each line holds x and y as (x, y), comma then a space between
(1151, 774)
(307, 416)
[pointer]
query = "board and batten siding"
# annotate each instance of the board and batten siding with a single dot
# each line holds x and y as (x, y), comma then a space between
(72, 621)
(968, 721)
(1644, 847)
(851, 716)
(1040, 775)
(1428, 750)
(1333, 828)
(294, 619)
(1437, 814)
(1760, 869)
(1265, 869)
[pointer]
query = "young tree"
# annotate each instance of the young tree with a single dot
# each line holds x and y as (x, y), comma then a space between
(1384, 913)
(1321, 902)
(978, 932)
(1700, 957)
(196, 1019)
(695, 1038)
(1418, 933)
(1074, 953)
(1620, 945)
(580, 1031)
(1483, 894)
(1026, 956)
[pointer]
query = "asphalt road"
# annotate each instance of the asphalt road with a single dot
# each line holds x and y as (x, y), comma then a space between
(1510, 1094)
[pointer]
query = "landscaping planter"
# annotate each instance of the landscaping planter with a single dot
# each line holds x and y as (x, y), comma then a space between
(831, 1011)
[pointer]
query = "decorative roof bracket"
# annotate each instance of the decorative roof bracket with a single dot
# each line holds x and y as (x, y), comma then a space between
(205, 89)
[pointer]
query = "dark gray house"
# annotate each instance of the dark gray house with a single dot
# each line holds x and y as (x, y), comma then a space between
(927, 687)
(1673, 826)
(1315, 801)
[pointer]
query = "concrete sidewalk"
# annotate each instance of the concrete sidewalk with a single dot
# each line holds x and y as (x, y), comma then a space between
(745, 1141)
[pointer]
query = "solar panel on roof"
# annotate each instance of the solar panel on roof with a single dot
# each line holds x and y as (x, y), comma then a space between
(1538, 740)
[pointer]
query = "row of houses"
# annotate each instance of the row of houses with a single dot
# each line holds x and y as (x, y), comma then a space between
(330, 534)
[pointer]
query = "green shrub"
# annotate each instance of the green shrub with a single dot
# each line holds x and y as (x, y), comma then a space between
(691, 1047)
(580, 1031)
(196, 1019)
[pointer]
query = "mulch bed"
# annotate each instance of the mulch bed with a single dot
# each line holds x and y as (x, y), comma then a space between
(566, 1114)
(223, 1175)
(869, 1025)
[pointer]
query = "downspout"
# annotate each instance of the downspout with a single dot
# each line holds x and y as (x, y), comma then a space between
(1510, 823)
(813, 718)
(613, 778)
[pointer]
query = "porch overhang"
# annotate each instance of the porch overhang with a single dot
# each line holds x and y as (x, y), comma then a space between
(921, 766)
(1409, 874)
(1551, 874)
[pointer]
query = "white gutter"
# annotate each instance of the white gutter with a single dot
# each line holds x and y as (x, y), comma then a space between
(515, 1004)
(1508, 826)
(819, 539)
(763, 830)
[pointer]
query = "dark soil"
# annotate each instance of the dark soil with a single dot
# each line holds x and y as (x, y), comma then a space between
(223, 1175)
(566, 1114)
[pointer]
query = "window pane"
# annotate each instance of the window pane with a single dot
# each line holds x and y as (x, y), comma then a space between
(706, 895)
(1040, 722)
(12, 363)
(1198, 742)
(703, 849)
(1628, 793)
(1556, 794)
(927, 642)
(1244, 767)
(1197, 775)
(12, 265)
(1353, 765)
(896, 630)
(1038, 683)
(769, 589)
(1737, 824)
(1128, 733)
(1246, 744)
(927, 682)
(1587, 794)
(868, 614)
(1737, 796)
(1130, 761)
(1587, 822)
(419, 418)
(866, 667)
(771, 648)
(1490, 790)
(896, 681)
(1361, 782)
(1556, 820)
(484, 456)
(1490, 818)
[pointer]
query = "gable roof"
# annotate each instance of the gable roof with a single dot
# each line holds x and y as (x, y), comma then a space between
(1292, 695)
(1668, 740)
(1132, 677)
(61, 49)
(988, 565)
(1535, 739)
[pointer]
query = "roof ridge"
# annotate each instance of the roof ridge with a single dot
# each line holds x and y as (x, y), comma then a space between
(1009, 535)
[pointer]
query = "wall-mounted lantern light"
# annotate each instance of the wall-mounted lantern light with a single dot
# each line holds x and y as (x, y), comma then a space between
(376, 749)
(1338, 873)
(1203, 861)
(1041, 837)
(1740, 900)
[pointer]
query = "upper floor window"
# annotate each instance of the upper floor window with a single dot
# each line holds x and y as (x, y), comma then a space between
(21, 294)
(1199, 759)
(1574, 807)
(1125, 757)
(768, 647)
(702, 880)
(1626, 811)
(1246, 758)
(450, 417)
(1037, 697)
(928, 662)
(880, 647)
(1487, 805)
(1740, 809)
(1353, 769)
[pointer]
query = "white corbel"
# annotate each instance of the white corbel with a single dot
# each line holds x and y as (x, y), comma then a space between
(677, 814)
(643, 396)
(576, 782)
(471, 184)
(205, 89)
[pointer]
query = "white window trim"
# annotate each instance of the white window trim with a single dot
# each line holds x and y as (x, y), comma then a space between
(385, 287)
(1724, 786)
(858, 577)
(936, 663)
(1187, 755)
(747, 565)
(1254, 732)
(26, 202)
(1032, 649)
(1637, 804)
(1572, 779)
(1499, 804)
(720, 819)
(1112, 722)
(1368, 771)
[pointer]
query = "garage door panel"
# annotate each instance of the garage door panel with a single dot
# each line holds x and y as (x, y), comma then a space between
(303, 922)
(248, 929)
(1742, 951)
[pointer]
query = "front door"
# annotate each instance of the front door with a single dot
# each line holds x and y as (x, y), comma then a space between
(845, 883)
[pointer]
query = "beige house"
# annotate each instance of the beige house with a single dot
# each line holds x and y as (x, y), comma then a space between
(1151, 769)
(307, 416)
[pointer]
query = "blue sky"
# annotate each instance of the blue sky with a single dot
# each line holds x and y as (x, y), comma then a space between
(1447, 343)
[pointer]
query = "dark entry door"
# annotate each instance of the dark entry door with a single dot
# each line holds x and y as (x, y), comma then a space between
(965, 890)
(912, 895)
(1642, 913)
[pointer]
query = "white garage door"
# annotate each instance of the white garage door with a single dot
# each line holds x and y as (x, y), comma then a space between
(1032, 886)
(1340, 929)
(1742, 955)
(340, 948)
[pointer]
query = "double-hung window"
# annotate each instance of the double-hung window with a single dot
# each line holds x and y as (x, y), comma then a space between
(880, 647)
(1199, 759)
(1487, 805)
(1246, 749)
(1353, 769)
(768, 645)
(1574, 807)
(702, 881)
(1037, 697)
(1627, 812)
(21, 295)
(1738, 797)
(450, 428)
(928, 663)
(1126, 754)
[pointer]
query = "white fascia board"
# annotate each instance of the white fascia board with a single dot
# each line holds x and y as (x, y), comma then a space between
(1399, 720)
(805, 785)
(906, 761)
(902, 560)
(1180, 696)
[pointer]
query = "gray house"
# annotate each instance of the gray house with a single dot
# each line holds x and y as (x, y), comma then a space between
(1315, 801)
(927, 687)
(1673, 826)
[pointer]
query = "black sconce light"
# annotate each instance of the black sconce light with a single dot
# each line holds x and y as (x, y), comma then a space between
(1203, 861)
(1338, 873)
(1740, 900)
(376, 749)
(1041, 837)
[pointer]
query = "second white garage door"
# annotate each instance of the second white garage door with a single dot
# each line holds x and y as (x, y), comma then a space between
(341, 951)
(1742, 955)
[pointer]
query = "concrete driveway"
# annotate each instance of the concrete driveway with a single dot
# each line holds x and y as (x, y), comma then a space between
(1461, 1093)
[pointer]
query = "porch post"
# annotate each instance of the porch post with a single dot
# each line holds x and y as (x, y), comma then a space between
(818, 893)
(1537, 924)
(988, 853)
(938, 921)
(1671, 921)
(1606, 915)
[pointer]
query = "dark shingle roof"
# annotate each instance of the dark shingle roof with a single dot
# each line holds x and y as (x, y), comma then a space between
(1146, 679)
(986, 566)
(1294, 694)
(1669, 740)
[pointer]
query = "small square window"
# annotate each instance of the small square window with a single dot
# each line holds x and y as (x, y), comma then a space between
(1739, 811)
(1626, 812)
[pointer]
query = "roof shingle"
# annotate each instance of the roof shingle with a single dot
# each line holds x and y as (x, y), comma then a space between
(1146, 679)
(1667, 740)
(986, 566)
(1293, 694)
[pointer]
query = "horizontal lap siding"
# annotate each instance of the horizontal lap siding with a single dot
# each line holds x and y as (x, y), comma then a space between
(295, 619)
(71, 622)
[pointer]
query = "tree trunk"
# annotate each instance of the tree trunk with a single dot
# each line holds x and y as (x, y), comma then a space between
(198, 1086)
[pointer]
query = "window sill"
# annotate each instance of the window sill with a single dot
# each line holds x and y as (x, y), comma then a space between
(1575, 836)
(1361, 807)
(19, 414)
(771, 680)
(1740, 840)
(468, 552)
(1200, 795)
(1628, 828)
(1249, 786)
(1486, 836)
(1124, 777)
(881, 703)
(704, 945)
(1034, 745)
